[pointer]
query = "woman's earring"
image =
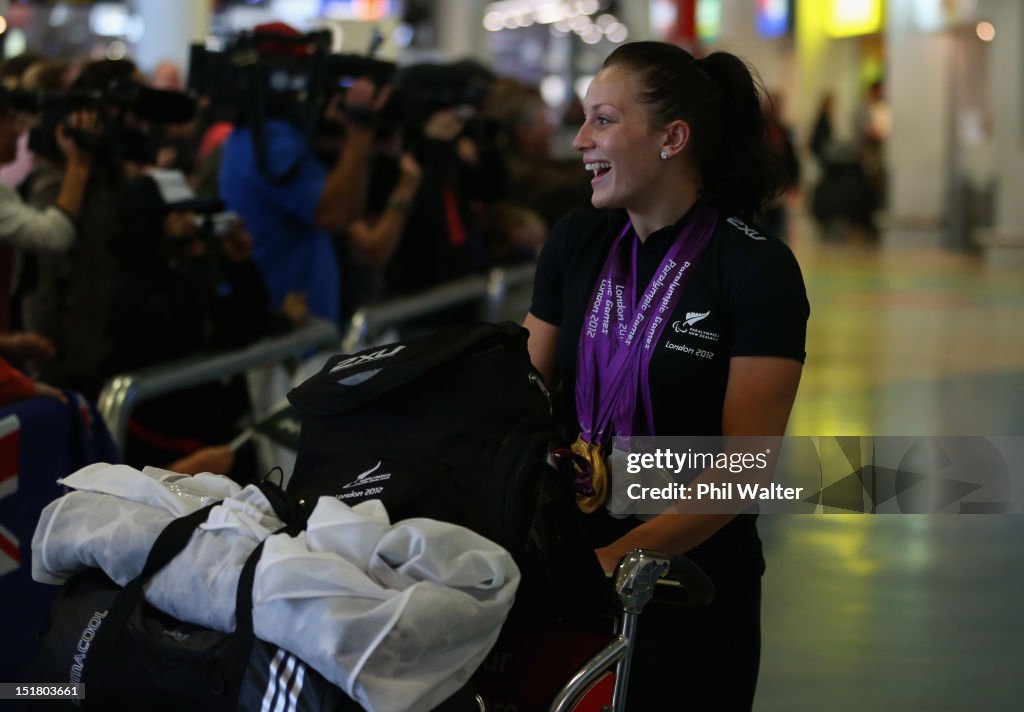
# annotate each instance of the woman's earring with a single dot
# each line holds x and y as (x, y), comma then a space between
(664, 154)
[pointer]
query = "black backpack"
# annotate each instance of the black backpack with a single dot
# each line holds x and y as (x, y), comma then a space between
(454, 426)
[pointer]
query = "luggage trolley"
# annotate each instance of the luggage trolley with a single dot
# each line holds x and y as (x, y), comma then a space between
(642, 576)
(216, 661)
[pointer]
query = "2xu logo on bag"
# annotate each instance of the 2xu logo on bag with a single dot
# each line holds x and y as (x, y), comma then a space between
(370, 476)
(366, 358)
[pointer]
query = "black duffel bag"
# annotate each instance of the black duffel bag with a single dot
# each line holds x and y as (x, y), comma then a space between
(131, 656)
(454, 426)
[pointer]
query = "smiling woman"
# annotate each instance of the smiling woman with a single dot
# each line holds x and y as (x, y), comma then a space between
(677, 150)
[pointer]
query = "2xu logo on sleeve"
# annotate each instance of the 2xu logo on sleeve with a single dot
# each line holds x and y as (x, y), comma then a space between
(746, 229)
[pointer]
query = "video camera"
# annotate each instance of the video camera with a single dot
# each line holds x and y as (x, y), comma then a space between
(426, 88)
(423, 89)
(275, 73)
(116, 142)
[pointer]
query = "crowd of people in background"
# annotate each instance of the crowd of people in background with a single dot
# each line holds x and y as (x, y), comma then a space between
(851, 187)
(123, 249)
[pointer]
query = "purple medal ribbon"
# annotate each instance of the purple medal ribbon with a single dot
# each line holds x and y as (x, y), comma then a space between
(620, 333)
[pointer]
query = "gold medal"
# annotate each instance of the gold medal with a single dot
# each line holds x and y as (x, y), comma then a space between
(594, 456)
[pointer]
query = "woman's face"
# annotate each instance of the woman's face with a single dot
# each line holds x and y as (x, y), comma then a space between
(617, 143)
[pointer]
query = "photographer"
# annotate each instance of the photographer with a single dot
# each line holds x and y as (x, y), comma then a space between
(463, 174)
(184, 285)
(366, 248)
(24, 228)
(12, 76)
(290, 201)
(71, 303)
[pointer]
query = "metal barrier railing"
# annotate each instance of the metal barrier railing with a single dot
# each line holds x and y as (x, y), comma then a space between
(122, 393)
(490, 291)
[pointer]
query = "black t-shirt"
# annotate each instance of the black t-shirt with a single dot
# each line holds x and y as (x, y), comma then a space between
(744, 297)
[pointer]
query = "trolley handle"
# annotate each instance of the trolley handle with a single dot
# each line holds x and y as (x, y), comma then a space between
(685, 585)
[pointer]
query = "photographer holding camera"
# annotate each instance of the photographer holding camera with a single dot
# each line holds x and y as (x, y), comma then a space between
(26, 229)
(291, 202)
(72, 300)
(464, 173)
(185, 284)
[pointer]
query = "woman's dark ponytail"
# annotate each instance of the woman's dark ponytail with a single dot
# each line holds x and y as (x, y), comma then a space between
(720, 99)
(742, 175)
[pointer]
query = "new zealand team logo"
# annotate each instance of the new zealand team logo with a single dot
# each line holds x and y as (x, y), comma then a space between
(369, 476)
(682, 327)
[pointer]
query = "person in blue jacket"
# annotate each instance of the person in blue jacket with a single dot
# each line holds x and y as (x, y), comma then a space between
(289, 200)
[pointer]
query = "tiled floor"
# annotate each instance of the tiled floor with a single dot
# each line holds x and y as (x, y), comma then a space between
(900, 612)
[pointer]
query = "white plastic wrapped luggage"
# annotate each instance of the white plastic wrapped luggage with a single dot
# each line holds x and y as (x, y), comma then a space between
(398, 616)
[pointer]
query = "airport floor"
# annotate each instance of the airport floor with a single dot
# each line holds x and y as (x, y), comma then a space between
(900, 611)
